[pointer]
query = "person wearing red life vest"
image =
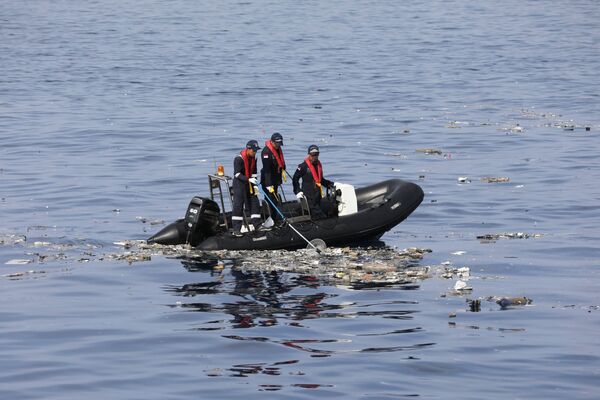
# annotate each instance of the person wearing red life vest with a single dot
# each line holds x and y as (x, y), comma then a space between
(313, 183)
(245, 189)
(273, 171)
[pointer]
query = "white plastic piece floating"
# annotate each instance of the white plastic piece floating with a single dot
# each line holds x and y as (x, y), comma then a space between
(461, 285)
(464, 272)
(464, 179)
(517, 129)
(18, 261)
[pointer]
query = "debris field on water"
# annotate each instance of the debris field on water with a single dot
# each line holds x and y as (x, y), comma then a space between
(352, 267)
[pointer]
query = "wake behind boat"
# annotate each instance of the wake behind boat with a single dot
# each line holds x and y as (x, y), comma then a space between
(356, 216)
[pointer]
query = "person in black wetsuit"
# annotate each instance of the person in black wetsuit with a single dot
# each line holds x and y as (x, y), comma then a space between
(273, 171)
(245, 191)
(313, 183)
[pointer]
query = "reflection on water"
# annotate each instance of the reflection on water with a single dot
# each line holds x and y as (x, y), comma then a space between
(272, 369)
(267, 290)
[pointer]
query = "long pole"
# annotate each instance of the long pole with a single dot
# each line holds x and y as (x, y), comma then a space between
(285, 219)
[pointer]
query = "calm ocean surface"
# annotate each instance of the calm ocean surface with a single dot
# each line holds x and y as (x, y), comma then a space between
(112, 113)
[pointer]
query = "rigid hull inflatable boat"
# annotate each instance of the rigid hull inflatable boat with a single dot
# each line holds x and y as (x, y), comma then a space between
(357, 216)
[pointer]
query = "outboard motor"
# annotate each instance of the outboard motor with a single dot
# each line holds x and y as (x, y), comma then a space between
(202, 216)
(201, 221)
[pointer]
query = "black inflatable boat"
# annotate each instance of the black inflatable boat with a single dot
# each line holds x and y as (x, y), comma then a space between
(359, 215)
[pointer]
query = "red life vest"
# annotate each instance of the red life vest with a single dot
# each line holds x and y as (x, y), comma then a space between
(278, 154)
(317, 176)
(248, 168)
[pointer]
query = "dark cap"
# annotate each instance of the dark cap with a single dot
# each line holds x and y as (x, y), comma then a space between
(253, 145)
(313, 149)
(277, 138)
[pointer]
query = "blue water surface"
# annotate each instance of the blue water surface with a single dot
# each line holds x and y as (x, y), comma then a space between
(112, 113)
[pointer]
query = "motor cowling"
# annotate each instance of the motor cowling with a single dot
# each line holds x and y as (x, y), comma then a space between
(201, 221)
(202, 216)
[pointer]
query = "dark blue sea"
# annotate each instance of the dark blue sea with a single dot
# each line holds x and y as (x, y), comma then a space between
(113, 113)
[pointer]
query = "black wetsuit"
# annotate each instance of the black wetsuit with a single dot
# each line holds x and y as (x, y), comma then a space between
(242, 197)
(310, 189)
(271, 175)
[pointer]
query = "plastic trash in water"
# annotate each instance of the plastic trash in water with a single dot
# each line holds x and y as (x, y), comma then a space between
(505, 302)
(461, 285)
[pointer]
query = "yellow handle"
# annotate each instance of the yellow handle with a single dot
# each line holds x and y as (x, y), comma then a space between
(284, 176)
(322, 190)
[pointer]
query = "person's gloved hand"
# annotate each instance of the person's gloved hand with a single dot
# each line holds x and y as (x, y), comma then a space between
(300, 195)
(271, 189)
(252, 181)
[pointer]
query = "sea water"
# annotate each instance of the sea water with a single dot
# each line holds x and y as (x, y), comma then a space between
(112, 113)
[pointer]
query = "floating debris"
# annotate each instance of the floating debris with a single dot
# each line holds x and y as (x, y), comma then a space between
(517, 129)
(430, 151)
(43, 258)
(461, 286)
(492, 237)
(474, 305)
(346, 267)
(351, 267)
(130, 257)
(11, 240)
(399, 155)
(463, 272)
(464, 179)
(506, 302)
(494, 179)
(18, 261)
(144, 220)
(454, 124)
(528, 113)
(19, 275)
(448, 272)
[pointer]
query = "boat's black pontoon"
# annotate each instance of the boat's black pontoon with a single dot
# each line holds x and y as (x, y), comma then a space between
(357, 216)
